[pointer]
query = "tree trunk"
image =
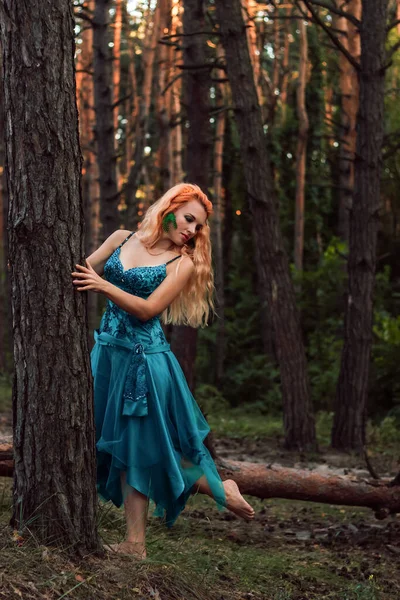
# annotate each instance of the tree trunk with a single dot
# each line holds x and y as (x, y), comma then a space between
(217, 224)
(103, 100)
(116, 72)
(348, 82)
(162, 99)
(198, 154)
(54, 439)
(270, 255)
(352, 390)
(5, 329)
(285, 66)
(301, 151)
(142, 120)
(90, 175)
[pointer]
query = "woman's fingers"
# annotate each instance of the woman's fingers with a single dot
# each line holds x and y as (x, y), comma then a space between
(82, 268)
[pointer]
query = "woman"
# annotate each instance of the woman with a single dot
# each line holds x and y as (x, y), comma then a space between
(149, 428)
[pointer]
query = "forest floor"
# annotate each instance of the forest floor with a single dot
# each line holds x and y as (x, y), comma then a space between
(291, 551)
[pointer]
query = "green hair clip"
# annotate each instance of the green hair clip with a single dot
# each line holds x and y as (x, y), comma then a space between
(168, 220)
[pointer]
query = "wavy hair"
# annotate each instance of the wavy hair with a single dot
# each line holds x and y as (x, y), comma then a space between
(195, 302)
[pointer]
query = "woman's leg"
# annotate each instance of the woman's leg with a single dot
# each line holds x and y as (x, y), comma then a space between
(234, 499)
(136, 506)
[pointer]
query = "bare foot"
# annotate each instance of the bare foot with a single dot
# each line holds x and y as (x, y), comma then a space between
(136, 549)
(235, 501)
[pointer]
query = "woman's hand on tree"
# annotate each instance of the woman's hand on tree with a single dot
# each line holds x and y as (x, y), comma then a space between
(88, 280)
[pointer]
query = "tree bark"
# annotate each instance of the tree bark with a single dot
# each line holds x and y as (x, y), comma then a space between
(301, 151)
(348, 81)
(199, 142)
(54, 440)
(264, 481)
(349, 422)
(90, 174)
(5, 305)
(271, 258)
(103, 100)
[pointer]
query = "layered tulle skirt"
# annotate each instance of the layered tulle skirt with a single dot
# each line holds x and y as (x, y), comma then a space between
(149, 426)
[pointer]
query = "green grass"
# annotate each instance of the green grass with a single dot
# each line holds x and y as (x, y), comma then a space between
(203, 557)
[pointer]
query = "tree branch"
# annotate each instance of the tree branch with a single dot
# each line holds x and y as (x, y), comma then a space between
(120, 101)
(392, 51)
(334, 39)
(337, 11)
(392, 25)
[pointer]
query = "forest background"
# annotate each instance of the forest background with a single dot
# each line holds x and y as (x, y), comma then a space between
(297, 145)
(156, 108)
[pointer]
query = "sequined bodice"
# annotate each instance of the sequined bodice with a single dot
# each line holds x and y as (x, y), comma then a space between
(140, 281)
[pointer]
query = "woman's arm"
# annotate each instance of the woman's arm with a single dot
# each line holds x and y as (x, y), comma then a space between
(159, 300)
(99, 257)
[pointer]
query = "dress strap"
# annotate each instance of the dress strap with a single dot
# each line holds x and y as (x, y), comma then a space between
(126, 239)
(172, 259)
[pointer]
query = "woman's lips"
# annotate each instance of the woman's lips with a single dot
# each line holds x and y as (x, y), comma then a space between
(185, 237)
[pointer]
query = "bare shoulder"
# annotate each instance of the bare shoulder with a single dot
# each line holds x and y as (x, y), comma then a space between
(116, 238)
(187, 264)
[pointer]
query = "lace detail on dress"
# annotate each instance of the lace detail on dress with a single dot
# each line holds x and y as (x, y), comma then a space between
(139, 281)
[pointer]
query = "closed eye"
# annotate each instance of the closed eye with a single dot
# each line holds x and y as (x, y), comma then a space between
(190, 219)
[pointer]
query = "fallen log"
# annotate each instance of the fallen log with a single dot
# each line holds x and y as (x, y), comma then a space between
(6, 457)
(272, 481)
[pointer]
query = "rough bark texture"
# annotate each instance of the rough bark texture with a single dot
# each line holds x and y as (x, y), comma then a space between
(199, 142)
(54, 442)
(272, 262)
(103, 100)
(349, 422)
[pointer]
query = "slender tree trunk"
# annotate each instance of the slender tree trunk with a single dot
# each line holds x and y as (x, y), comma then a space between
(162, 100)
(349, 107)
(103, 99)
(54, 441)
(217, 225)
(349, 422)
(116, 72)
(142, 121)
(198, 155)
(90, 174)
(272, 262)
(5, 337)
(285, 66)
(301, 151)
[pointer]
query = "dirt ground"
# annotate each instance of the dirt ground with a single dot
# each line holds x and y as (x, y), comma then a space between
(291, 551)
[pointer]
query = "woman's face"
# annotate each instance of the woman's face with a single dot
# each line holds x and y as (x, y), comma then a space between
(190, 218)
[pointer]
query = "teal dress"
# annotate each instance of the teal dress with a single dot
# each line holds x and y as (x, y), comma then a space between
(147, 421)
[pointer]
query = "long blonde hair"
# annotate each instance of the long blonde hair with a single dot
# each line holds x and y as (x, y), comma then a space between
(195, 302)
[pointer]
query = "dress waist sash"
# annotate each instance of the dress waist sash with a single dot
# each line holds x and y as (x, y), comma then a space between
(135, 387)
